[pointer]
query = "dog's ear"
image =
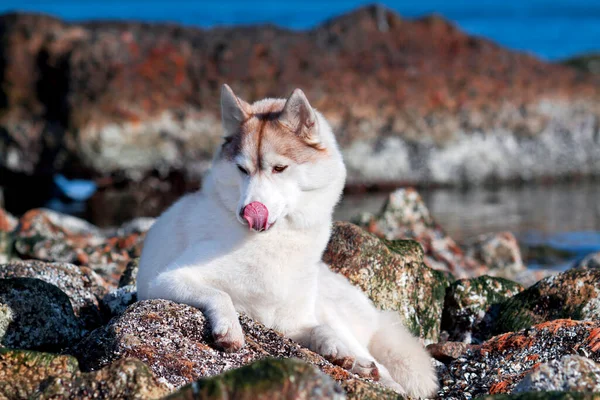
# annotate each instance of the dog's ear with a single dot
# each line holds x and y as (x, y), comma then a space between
(299, 117)
(234, 110)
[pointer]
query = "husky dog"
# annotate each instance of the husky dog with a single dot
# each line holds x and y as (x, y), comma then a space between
(251, 241)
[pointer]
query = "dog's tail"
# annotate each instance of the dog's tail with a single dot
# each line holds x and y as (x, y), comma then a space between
(404, 357)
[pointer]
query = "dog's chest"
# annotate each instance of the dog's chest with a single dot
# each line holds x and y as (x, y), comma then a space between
(272, 287)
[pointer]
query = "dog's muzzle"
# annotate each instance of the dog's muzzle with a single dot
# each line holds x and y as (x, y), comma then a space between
(256, 215)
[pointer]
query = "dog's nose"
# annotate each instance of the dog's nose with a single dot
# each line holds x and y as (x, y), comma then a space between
(257, 216)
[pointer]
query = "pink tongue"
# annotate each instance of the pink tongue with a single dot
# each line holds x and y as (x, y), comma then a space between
(257, 215)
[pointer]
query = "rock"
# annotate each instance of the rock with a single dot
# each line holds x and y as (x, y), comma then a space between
(507, 116)
(392, 274)
(50, 236)
(264, 379)
(499, 364)
(116, 301)
(448, 351)
(174, 340)
(405, 216)
(470, 306)
(129, 276)
(573, 294)
(22, 372)
(40, 318)
(358, 389)
(28, 374)
(544, 396)
(586, 63)
(8, 223)
(591, 261)
(500, 252)
(80, 284)
(569, 374)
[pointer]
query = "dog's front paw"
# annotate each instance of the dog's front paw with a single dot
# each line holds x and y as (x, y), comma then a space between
(366, 368)
(228, 335)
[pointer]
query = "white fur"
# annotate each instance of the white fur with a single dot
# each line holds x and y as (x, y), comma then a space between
(201, 253)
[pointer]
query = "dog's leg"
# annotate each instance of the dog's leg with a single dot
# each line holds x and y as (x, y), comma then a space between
(183, 285)
(407, 361)
(324, 340)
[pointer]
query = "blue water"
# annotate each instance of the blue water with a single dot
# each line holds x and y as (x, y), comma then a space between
(549, 29)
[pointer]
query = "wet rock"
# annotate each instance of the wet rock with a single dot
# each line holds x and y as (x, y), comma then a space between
(405, 216)
(40, 318)
(174, 340)
(392, 274)
(471, 305)
(129, 276)
(500, 252)
(50, 236)
(569, 374)
(573, 294)
(499, 364)
(591, 261)
(29, 374)
(80, 284)
(117, 300)
(265, 379)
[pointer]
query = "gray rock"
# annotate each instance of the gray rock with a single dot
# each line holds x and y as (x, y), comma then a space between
(571, 373)
(129, 276)
(41, 316)
(83, 286)
(117, 300)
(589, 261)
(174, 340)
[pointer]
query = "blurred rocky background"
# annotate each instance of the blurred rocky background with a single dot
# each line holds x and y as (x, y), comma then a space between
(110, 111)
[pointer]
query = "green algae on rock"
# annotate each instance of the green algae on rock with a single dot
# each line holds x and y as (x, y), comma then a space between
(405, 216)
(392, 274)
(29, 374)
(573, 294)
(571, 373)
(469, 306)
(22, 371)
(269, 378)
(41, 316)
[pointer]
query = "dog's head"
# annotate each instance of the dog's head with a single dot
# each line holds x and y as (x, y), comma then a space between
(279, 161)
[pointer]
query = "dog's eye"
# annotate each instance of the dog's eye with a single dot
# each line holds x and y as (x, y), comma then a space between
(279, 168)
(242, 170)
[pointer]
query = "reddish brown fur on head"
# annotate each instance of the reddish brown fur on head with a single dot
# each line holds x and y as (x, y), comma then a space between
(286, 127)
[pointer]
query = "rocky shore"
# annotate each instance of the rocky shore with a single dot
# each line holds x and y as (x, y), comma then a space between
(71, 326)
(135, 106)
